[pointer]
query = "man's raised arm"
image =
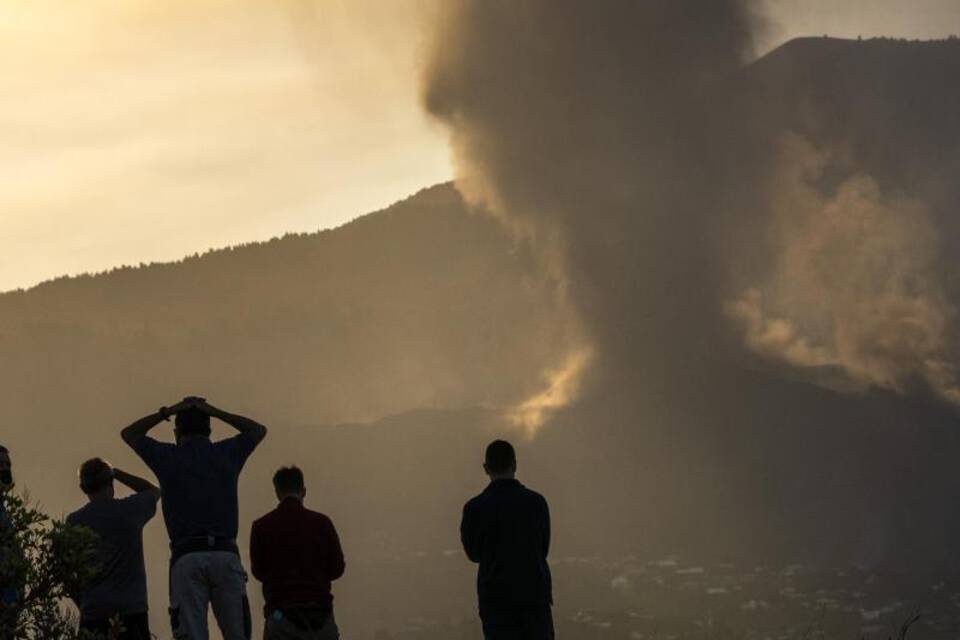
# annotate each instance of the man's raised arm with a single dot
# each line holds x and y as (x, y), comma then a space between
(241, 423)
(138, 430)
(136, 483)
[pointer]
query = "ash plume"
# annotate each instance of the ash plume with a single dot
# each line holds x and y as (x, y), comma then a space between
(613, 136)
(767, 312)
(598, 131)
(855, 282)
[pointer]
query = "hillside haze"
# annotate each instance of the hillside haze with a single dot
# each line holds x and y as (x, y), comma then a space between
(421, 305)
(399, 309)
(383, 354)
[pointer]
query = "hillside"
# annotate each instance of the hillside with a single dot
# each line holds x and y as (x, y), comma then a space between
(421, 305)
(408, 307)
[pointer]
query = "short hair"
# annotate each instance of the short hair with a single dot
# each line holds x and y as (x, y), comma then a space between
(193, 422)
(3, 449)
(95, 474)
(500, 456)
(288, 480)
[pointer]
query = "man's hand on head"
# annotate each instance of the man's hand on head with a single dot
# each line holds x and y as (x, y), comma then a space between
(207, 408)
(190, 402)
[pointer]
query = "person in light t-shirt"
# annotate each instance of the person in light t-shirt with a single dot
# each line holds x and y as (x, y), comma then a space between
(119, 592)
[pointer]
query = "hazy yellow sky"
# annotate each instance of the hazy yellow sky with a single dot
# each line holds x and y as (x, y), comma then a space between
(922, 19)
(145, 130)
(142, 130)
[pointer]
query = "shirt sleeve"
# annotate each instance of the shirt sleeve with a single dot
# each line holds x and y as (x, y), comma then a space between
(258, 553)
(153, 453)
(470, 532)
(546, 527)
(334, 556)
(142, 505)
(239, 448)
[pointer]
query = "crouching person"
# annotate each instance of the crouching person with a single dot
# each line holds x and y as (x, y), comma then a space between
(119, 593)
(296, 554)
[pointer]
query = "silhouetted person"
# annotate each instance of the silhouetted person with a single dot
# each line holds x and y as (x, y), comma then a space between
(506, 529)
(296, 554)
(199, 483)
(8, 591)
(120, 588)
(6, 472)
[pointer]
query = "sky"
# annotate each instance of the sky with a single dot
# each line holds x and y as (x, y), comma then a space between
(146, 130)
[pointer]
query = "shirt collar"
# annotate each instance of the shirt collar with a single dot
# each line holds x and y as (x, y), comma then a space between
(291, 502)
(503, 483)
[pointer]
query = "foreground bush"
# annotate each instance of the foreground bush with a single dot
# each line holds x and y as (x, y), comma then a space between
(42, 563)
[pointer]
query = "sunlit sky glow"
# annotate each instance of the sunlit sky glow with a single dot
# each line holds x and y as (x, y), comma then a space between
(145, 130)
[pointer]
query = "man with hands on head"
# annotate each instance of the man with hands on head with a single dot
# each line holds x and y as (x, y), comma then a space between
(119, 591)
(198, 478)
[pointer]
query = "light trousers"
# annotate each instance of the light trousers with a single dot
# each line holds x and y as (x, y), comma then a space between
(205, 579)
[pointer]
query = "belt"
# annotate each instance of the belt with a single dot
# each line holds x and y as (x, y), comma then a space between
(197, 544)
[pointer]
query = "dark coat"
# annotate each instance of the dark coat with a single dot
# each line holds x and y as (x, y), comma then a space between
(506, 529)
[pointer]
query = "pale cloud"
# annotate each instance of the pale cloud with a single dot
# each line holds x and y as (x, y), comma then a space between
(856, 282)
(142, 131)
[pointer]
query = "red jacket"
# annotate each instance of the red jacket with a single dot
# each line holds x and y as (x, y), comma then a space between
(295, 553)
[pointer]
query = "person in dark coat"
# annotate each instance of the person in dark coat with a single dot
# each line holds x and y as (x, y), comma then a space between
(506, 530)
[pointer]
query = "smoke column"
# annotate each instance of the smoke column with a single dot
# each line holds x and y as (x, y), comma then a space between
(717, 264)
(599, 131)
(613, 135)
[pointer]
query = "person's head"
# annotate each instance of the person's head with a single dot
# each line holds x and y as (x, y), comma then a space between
(6, 469)
(288, 482)
(191, 422)
(96, 479)
(500, 460)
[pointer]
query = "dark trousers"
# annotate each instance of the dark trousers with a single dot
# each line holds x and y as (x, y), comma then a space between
(136, 626)
(510, 623)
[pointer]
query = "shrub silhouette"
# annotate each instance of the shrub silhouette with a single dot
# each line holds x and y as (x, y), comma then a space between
(44, 561)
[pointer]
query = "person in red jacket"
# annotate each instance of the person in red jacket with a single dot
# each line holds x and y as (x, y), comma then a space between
(295, 553)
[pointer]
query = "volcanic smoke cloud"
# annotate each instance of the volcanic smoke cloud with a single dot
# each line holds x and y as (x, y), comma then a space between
(612, 136)
(598, 131)
(855, 282)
